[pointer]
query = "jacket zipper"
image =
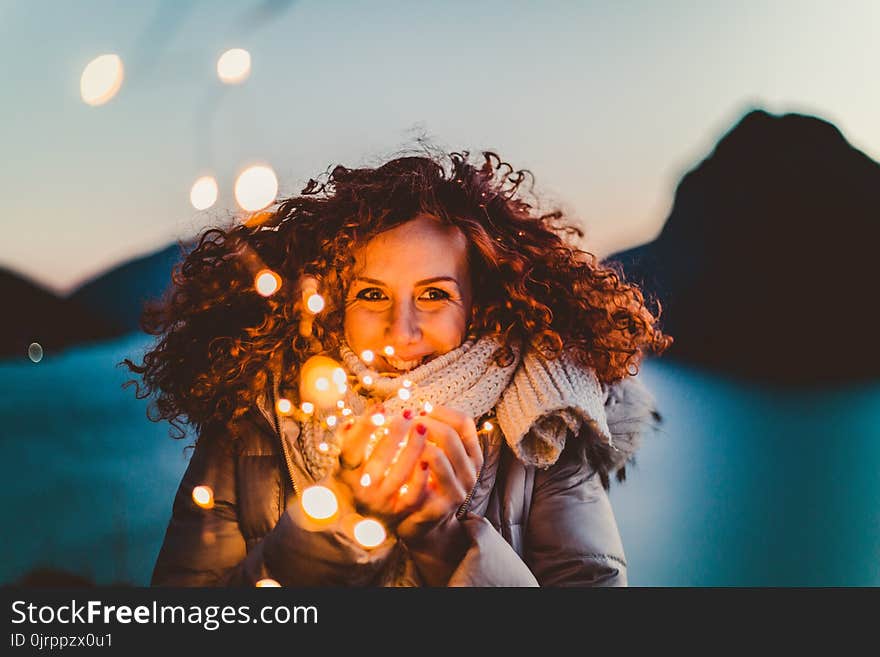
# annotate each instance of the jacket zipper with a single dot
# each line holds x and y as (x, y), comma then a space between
(463, 509)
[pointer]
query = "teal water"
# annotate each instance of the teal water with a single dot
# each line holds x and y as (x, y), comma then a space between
(744, 486)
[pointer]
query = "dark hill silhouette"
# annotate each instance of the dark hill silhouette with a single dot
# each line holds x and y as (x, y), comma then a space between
(766, 264)
(39, 315)
(119, 294)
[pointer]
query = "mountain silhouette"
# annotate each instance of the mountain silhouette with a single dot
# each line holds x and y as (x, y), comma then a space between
(119, 294)
(765, 266)
(39, 315)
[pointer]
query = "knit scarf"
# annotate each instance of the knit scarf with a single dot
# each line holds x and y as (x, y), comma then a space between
(537, 401)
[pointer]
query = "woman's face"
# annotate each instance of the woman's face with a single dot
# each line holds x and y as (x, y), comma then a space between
(411, 291)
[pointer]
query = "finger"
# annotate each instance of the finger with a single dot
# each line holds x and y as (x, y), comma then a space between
(465, 427)
(413, 493)
(355, 437)
(388, 446)
(401, 468)
(450, 442)
(444, 476)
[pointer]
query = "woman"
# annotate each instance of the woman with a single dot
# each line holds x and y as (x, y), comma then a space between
(498, 358)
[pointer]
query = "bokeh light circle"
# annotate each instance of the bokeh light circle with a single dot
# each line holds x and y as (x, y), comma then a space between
(101, 79)
(35, 352)
(234, 66)
(256, 187)
(203, 193)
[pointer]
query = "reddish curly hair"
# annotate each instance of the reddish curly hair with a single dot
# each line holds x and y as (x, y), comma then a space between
(533, 286)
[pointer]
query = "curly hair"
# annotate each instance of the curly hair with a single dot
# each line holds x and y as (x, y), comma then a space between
(533, 287)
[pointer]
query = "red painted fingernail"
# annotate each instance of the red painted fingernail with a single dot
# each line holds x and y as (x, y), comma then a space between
(423, 413)
(424, 465)
(407, 414)
(348, 425)
(421, 429)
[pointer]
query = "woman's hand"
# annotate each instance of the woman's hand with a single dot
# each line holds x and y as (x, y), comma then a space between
(377, 481)
(454, 459)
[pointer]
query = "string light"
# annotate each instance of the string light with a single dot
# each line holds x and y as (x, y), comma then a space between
(389, 350)
(407, 383)
(101, 79)
(267, 282)
(346, 411)
(319, 502)
(316, 378)
(315, 303)
(369, 533)
(367, 356)
(378, 419)
(368, 380)
(428, 407)
(256, 187)
(324, 447)
(203, 496)
(308, 408)
(488, 426)
(284, 406)
(340, 404)
(203, 193)
(404, 393)
(234, 66)
(322, 384)
(267, 582)
(366, 480)
(339, 377)
(403, 490)
(331, 420)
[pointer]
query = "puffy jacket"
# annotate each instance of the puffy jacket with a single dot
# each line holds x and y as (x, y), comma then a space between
(527, 526)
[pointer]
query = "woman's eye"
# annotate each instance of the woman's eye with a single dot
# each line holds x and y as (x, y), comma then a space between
(434, 294)
(371, 294)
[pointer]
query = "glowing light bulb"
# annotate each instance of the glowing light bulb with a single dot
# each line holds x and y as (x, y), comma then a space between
(366, 480)
(324, 447)
(267, 582)
(346, 411)
(316, 382)
(203, 193)
(340, 404)
(389, 350)
(488, 426)
(319, 502)
(315, 303)
(369, 533)
(331, 420)
(404, 393)
(203, 496)
(428, 407)
(101, 79)
(403, 490)
(35, 352)
(284, 406)
(267, 282)
(256, 187)
(234, 66)
(367, 356)
(308, 408)
(368, 380)
(378, 419)
(407, 383)
(339, 377)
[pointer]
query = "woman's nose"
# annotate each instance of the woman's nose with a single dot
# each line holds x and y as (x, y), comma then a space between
(404, 324)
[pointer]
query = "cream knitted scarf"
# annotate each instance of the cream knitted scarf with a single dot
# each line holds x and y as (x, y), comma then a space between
(536, 401)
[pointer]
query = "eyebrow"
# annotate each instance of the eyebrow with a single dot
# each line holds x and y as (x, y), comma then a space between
(426, 281)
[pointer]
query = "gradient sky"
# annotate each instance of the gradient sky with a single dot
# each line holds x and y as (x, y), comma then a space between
(608, 103)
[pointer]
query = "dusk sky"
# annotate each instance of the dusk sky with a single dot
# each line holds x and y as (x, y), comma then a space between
(608, 103)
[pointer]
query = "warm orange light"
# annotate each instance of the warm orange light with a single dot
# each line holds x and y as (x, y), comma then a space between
(203, 193)
(389, 350)
(488, 426)
(378, 419)
(403, 393)
(315, 382)
(234, 66)
(319, 502)
(308, 408)
(267, 282)
(256, 187)
(366, 480)
(101, 79)
(367, 356)
(284, 406)
(315, 303)
(268, 582)
(203, 496)
(369, 533)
